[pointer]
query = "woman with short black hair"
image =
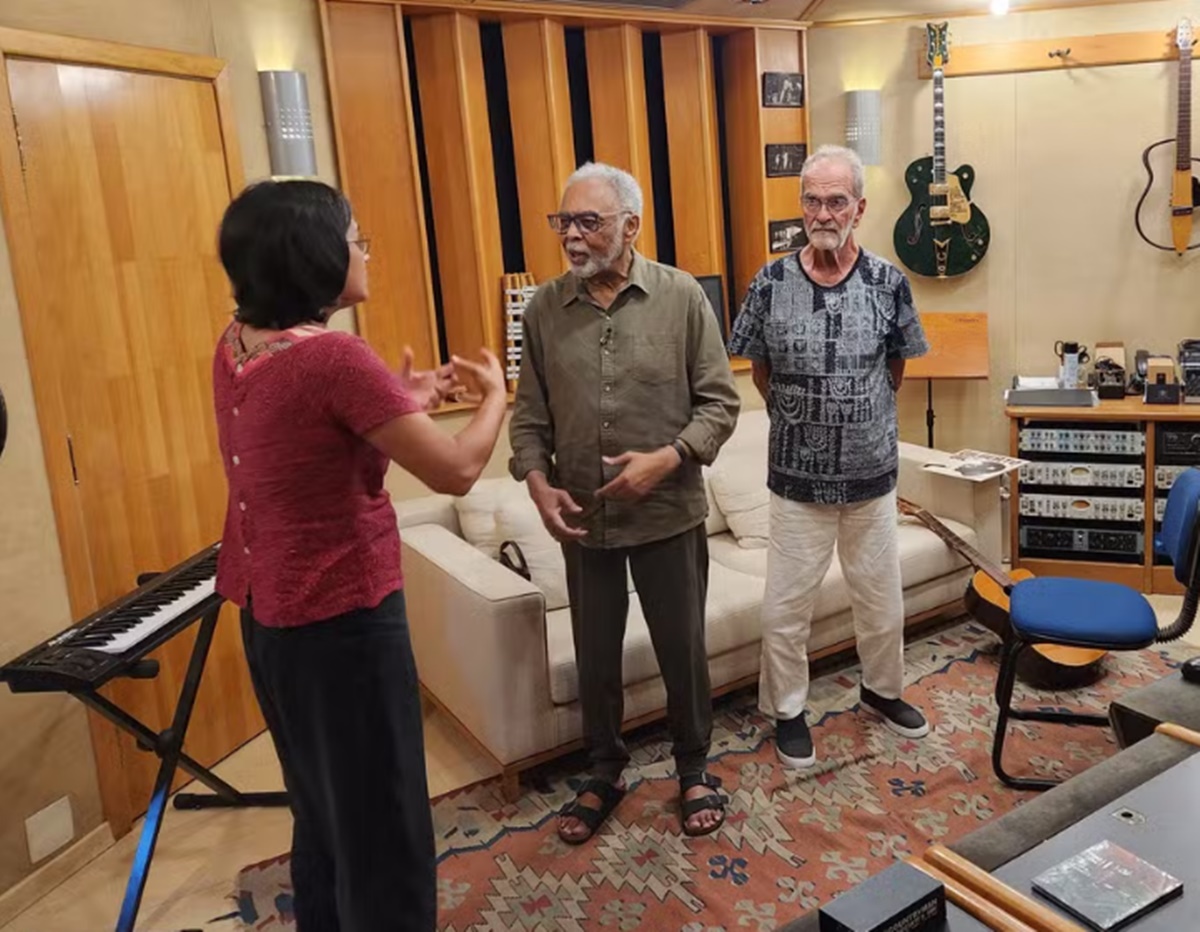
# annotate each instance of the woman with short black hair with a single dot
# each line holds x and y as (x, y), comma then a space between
(308, 420)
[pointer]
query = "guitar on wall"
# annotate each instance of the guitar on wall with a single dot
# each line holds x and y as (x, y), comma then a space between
(1185, 189)
(941, 233)
(1051, 666)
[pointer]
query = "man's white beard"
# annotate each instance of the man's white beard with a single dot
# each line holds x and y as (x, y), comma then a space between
(597, 264)
(841, 235)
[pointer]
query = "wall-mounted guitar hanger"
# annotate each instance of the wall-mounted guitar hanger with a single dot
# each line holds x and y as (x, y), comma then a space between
(1119, 48)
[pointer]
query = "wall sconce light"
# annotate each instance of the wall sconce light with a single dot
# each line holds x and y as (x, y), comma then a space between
(289, 124)
(863, 132)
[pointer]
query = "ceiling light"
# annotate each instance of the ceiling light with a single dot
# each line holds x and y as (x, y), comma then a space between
(999, 7)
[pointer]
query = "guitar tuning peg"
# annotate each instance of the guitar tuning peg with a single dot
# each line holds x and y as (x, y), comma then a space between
(1058, 53)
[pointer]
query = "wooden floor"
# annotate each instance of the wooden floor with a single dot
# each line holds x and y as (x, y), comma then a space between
(200, 853)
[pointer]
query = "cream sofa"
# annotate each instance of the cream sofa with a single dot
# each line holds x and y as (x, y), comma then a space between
(494, 650)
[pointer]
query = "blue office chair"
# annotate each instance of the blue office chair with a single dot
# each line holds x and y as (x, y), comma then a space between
(1092, 614)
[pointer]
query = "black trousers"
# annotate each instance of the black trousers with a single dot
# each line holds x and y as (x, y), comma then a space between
(341, 700)
(671, 578)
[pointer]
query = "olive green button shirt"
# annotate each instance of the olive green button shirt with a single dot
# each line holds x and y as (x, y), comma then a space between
(649, 370)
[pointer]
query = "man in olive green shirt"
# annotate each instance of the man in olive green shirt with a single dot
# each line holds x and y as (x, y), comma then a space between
(625, 391)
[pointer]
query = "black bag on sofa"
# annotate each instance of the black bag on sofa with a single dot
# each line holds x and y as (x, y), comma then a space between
(512, 558)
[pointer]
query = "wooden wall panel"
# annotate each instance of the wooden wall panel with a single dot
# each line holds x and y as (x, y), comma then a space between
(755, 199)
(745, 159)
(121, 175)
(617, 86)
(693, 145)
(370, 94)
(462, 182)
(535, 58)
(780, 50)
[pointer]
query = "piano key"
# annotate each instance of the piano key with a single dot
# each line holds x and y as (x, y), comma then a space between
(158, 618)
(100, 647)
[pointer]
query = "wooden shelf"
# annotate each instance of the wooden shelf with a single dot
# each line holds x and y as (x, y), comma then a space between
(1163, 581)
(1124, 48)
(1131, 408)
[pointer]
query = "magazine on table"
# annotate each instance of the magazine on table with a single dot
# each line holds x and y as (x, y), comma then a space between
(976, 465)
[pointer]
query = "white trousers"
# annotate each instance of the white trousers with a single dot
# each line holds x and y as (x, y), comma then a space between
(802, 538)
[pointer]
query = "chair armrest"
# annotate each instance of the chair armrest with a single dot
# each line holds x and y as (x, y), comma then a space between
(975, 504)
(479, 637)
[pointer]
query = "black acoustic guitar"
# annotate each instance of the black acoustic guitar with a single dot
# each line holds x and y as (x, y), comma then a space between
(1185, 188)
(941, 233)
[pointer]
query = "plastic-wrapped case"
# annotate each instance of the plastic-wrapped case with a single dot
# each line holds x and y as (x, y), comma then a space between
(1106, 886)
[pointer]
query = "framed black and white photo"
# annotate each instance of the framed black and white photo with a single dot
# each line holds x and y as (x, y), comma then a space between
(787, 235)
(714, 290)
(783, 89)
(785, 159)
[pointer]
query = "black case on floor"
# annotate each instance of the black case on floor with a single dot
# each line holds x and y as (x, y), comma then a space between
(899, 899)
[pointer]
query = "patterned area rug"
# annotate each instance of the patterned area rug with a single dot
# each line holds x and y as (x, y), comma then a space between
(791, 840)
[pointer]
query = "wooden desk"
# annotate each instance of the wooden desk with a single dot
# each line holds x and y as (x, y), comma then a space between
(1161, 830)
(1149, 575)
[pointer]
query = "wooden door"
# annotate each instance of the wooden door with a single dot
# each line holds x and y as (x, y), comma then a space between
(124, 162)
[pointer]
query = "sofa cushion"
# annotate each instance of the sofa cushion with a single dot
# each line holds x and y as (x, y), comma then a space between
(739, 485)
(478, 511)
(734, 600)
(520, 522)
(496, 510)
(737, 481)
(714, 521)
(724, 549)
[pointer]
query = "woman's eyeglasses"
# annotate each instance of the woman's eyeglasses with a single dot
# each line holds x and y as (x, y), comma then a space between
(589, 221)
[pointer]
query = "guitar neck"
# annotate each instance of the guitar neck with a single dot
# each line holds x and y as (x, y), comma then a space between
(939, 128)
(1183, 130)
(969, 553)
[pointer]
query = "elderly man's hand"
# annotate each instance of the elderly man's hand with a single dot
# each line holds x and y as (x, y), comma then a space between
(642, 472)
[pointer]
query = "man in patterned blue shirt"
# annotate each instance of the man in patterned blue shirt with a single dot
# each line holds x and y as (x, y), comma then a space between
(828, 330)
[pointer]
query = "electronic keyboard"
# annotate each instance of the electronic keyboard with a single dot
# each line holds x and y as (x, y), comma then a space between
(112, 641)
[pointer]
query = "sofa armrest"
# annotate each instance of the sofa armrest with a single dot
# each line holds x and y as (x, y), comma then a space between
(479, 636)
(428, 509)
(975, 504)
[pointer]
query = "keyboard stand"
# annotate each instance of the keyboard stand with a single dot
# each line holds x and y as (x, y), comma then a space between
(169, 747)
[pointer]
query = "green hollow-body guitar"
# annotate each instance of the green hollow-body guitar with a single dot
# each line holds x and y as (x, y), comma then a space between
(941, 234)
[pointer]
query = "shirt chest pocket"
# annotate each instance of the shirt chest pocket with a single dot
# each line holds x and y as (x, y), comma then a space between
(655, 359)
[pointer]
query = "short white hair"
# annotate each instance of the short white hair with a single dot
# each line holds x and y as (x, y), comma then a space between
(624, 185)
(847, 157)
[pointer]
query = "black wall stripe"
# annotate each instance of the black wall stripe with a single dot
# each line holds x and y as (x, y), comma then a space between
(439, 306)
(660, 160)
(504, 164)
(718, 57)
(581, 101)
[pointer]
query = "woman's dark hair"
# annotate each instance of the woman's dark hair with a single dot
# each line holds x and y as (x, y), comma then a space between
(283, 245)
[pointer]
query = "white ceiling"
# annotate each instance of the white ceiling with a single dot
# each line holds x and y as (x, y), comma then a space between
(833, 10)
(827, 11)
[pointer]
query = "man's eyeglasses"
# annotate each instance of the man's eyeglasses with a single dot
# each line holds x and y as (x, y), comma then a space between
(364, 246)
(589, 221)
(836, 204)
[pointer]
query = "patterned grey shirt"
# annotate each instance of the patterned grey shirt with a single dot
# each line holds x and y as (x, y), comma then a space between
(830, 398)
